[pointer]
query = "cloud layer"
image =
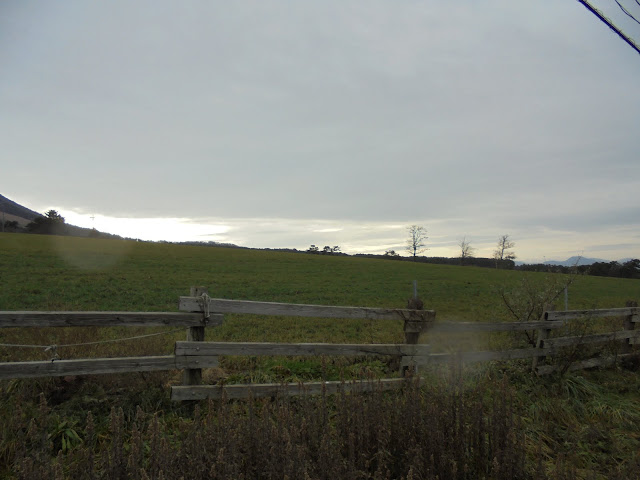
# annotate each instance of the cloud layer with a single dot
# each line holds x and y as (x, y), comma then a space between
(473, 119)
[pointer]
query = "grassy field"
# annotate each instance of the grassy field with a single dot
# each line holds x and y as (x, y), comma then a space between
(583, 426)
(64, 273)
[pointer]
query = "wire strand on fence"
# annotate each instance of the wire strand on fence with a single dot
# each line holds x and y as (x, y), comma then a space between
(99, 342)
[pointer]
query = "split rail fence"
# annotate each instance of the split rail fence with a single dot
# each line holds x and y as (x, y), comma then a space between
(198, 311)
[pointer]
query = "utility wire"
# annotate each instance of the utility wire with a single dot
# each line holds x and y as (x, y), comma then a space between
(610, 24)
(627, 12)
(99, 342)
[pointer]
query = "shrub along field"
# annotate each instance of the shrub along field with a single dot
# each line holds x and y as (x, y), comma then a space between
(502, 421)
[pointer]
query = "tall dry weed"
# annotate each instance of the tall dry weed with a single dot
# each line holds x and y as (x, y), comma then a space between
(447, 430)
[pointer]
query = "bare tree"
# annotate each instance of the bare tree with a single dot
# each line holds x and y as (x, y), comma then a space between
(526, 301)
(466, 250)
(416, 241)
(503, 250)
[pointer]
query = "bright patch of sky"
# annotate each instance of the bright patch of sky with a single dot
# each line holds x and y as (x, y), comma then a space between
(152, 229)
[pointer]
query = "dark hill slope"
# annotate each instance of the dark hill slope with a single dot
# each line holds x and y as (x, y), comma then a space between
(12, 208)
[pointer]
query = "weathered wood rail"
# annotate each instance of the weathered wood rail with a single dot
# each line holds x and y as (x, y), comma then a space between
(199, 392)
(104, 319)
(411, 355)
(219, 305)
(198, 311)
(631, 315)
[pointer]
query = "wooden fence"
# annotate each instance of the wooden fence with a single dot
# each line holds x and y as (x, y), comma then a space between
(198, 311)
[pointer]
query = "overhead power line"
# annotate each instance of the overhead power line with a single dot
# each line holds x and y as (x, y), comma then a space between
(627, 12)
(610, 24)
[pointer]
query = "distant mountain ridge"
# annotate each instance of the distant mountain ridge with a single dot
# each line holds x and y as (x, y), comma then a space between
(10, 207)
(578, 261)
(575, 261)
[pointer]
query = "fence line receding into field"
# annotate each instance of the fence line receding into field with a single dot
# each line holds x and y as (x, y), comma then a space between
(198, 311)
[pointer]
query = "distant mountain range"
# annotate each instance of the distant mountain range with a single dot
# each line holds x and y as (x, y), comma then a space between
(576, 261)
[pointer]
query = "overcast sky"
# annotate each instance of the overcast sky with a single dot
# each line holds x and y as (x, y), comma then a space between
(290, 123)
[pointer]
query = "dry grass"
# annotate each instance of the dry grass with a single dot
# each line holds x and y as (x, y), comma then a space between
(420, 433)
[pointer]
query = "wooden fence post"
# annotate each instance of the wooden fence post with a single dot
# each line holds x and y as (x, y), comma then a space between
(417, 323)
(542, 335)
(629, 324)
(193, 376)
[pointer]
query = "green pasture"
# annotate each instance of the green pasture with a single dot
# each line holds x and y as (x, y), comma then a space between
(66, 273)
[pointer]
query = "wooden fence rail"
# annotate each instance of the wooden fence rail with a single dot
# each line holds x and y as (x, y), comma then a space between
(58, 368)
(628, 335)
(589, 314)
(220, 305)
(199, 311)
(201, 392)
(104, 319)
(200, 349)
(585, 339)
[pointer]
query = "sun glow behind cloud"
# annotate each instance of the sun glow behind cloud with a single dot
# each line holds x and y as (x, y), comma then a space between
(153, 229)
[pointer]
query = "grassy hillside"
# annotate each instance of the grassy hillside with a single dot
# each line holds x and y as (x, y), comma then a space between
(56, 273)
(578, 425)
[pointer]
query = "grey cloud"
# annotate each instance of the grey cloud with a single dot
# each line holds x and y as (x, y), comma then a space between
(473, 119)
(616, 246)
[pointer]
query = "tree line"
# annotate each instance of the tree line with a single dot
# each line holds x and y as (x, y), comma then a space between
(503, 255)
(326, 250)
(628, 269)
(51, 223)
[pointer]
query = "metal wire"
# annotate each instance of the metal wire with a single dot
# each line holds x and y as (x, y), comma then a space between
(54, 346)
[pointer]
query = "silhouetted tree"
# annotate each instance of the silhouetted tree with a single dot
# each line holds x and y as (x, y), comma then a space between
(416, 241)
(10, 226)
(52, 223)
(466, 250)
(327, 250)
(502, 252)
(631, 269)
